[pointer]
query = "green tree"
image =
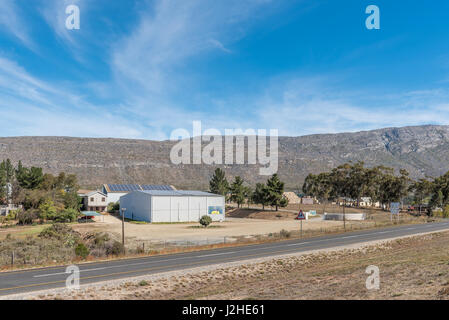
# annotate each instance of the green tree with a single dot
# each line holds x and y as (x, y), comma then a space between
(275, 191)
(238, 191)
(422, 189)
(71, 200)
(440, 192)
(248, 192)
(7, 169)
(357, 182)
(310, 186)
(218, 184)
(21, 171)
(394, 188)
(260, 195)
(47, 210)
(31, 178)
(372, 179)
(3, 186)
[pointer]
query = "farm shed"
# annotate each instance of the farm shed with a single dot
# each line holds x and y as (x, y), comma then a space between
(172, 205)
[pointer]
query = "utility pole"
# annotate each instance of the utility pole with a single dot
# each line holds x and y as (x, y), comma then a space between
(344, 214)
(123, 228)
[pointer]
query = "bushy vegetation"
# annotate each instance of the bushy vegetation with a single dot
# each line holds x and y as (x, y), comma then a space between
(113, 207)
(205, 221)
(102, 245)
(58, 243)
(380, 184)
(43, 196)
(62, 233)
(81, 250)
(270, 193)
(442, 213)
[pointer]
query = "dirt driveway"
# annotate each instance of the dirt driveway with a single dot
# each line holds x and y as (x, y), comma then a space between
(232, 227)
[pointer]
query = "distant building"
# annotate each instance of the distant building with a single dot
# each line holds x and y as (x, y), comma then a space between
(95, 201)
(4, 210)
(115, 191)
(307, 200)
(368, 202)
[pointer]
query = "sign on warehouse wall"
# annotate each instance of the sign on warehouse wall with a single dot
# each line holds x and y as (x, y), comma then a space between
(214, 210)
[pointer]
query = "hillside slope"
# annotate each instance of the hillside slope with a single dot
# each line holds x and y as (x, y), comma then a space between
(422, 150)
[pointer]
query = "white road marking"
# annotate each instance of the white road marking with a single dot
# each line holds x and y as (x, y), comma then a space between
(351, 237)
(214, 254)
(296, 244)
(132, 264)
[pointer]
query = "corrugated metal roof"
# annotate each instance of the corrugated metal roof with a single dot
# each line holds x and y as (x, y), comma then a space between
(175, 193)
(155, 187)
(94, 192)
(124, 188)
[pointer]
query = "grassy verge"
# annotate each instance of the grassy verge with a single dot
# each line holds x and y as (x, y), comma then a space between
(410, 268)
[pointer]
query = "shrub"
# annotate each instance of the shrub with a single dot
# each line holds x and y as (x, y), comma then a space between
(285, 234)
(205, 221)
(61, 233)
(143, 283)
(116, 249)
(446, 212)
(26, 217)
(442, 213)
(12, 215)
(81, 250)
(101, 238)
(68, 215)
(113, 207)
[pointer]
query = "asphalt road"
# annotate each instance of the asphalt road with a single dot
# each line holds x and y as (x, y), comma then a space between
(55, 277)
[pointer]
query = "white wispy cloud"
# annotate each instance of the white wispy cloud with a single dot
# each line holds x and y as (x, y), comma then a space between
(307, 106)
(33, 107)
(11, 21)
(149, 64)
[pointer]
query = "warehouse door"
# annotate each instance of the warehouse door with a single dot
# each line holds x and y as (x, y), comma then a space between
(161, 209)
(197, 208)
(179, 209)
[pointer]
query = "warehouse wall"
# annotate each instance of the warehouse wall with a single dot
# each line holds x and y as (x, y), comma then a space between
(138, 206)
(184, 209)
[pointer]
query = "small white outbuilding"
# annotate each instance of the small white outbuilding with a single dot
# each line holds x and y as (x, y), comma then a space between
(172, 206)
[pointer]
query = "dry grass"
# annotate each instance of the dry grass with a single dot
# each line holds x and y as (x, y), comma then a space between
(410, 268)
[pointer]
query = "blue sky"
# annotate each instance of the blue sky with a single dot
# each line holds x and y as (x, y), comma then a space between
(140, 69)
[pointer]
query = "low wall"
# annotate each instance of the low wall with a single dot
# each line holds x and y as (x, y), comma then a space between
(348, 216)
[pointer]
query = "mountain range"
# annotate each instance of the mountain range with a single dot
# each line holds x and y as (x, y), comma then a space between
(422, 150)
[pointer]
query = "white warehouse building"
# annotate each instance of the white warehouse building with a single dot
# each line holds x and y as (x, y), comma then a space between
(172, 206)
